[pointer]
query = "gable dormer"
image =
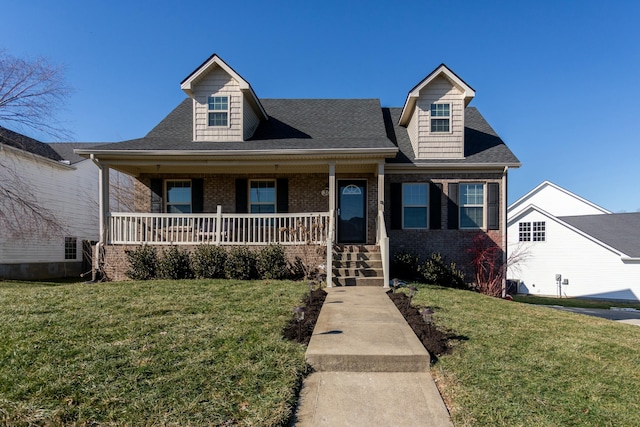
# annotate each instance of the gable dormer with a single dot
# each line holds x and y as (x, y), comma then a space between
(225, 107)
(434, 115)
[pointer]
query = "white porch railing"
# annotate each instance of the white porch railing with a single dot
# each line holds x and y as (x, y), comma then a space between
(218, 228)
(383, 241)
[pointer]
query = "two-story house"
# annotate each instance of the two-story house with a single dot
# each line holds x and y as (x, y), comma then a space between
(344, 175)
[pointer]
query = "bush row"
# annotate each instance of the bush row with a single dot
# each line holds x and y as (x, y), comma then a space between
(434, 270)
(211, 262)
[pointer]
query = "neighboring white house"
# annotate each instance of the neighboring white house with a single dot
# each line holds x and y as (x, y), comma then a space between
(570, 247)
(63, 191)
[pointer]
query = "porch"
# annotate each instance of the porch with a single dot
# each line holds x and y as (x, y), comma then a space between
(292, 230)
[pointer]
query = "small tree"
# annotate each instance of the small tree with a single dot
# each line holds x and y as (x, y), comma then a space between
(488, 265)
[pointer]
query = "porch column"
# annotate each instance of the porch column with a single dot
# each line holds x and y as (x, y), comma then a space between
(103, 200)
(381, 185)
(332, 215)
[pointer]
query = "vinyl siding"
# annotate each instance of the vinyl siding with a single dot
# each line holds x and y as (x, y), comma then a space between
(593, 270)
(217, 83)
(440, 145)
(68, 194)
(251, 120)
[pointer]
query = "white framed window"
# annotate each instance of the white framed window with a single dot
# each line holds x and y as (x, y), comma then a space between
(218, 107)
(532, 231)
(262, 196)
(472, 206)
(415, 205)
(70, 248)
(440, 118)
(178, 195)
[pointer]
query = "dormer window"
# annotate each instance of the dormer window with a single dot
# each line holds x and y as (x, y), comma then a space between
(440, 118)
(218, 111)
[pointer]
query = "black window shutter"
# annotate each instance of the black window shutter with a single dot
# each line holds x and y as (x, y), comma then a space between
(156, 195)
(435, 206)
(493, 206)
(396, 205)
(452, 207)
(282, 191)
(241, 196)
(197, 195)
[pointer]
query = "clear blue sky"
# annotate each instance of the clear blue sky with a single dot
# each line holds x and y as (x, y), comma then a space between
(558, 80)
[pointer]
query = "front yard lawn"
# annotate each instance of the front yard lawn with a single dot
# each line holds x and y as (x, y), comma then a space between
(524, 365)
(180, 353)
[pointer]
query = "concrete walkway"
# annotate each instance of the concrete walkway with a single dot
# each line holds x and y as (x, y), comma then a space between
(370, 368)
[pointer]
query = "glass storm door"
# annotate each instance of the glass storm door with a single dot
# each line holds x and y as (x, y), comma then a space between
(352, 202)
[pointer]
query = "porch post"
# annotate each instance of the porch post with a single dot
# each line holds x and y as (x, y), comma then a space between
(103, 201)
(332, 210)
(381, 185)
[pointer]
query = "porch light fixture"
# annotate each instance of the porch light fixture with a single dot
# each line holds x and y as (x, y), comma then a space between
(325, 192)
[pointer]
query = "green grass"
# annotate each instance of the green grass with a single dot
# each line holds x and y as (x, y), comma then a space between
(525, 365)
(148, 353)
(573, 302)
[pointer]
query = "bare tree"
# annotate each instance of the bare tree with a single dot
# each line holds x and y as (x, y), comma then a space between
(32, 92)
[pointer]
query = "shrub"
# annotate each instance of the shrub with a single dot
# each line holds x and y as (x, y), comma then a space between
(143, 263)
(405, 265)
(175, 264)
(240, 264)
(207, 262)
(271, 263)
(436, 271)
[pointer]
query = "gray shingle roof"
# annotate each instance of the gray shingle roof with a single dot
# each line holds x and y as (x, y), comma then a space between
(30, 145)
(620, 231)
(65, 150)
(323, 124)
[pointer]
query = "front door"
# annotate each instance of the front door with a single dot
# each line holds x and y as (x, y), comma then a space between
(352, 208)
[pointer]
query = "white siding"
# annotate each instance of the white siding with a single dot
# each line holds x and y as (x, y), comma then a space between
(592, 270)
(440, 146)
(70, 195)
(412, 129)
(557, 201)
(250, 119)
(217, 83)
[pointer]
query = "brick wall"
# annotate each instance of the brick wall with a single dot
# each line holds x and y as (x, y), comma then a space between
(116, 262)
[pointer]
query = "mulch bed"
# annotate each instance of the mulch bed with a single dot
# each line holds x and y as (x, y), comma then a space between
(435, 340)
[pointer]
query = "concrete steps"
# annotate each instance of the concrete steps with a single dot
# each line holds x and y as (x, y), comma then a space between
(357, 265)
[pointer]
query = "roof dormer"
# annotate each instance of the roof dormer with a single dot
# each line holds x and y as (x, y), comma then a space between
(434, 115)
(225, 107)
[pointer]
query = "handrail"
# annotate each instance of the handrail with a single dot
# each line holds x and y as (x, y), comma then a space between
(383, 241)
(330, 234)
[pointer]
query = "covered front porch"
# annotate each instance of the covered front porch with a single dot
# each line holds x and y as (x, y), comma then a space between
(305, 204)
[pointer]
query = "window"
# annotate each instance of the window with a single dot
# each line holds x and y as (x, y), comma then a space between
(415, 205)
(262, 196)
(440, 117)
(471, 205)
(524, 231)
(218, 111)
(178, 196)
(539, 231)
(532, 231)
(70, 248)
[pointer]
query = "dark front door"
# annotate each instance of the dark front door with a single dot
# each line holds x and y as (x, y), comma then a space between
(352, 208)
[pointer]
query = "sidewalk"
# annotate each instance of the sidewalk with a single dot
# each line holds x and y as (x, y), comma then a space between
(370, 368)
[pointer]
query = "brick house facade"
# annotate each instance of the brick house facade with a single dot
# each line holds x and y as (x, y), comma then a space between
(427, 176)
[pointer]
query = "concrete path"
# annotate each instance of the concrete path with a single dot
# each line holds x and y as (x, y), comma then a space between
(621, 315)
(370, 368)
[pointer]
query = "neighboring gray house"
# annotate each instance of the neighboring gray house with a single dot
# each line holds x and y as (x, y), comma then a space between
(571, 247)
(226, 167)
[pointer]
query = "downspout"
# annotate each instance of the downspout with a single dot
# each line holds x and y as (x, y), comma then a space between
(504, 233)
(100, 244)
